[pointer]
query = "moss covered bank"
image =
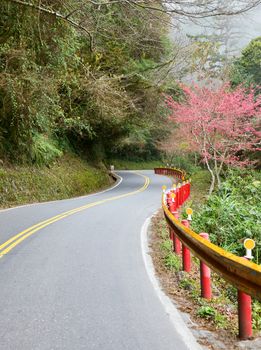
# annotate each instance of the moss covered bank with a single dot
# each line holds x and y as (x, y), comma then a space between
(68, 177)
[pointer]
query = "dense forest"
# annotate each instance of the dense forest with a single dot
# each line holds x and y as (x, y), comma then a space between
(96, 91)
(91, 77)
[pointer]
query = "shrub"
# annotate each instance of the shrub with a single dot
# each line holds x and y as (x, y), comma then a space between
(233, 213)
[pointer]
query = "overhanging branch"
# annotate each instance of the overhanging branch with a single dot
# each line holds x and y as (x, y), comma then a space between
(58, 15)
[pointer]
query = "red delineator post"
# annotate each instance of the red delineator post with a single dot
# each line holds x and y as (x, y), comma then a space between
(244, 315)
(185, 252)
(205, 275)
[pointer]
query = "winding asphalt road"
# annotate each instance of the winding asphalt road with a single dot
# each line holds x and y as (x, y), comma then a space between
(75, 278)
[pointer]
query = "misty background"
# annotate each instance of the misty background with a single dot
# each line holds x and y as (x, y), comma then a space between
(240, 29)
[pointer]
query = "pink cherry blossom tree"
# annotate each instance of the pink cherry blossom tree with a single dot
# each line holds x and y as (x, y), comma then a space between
(220, 124)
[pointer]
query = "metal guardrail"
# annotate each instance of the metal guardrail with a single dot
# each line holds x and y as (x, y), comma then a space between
(179, 173)
(241, 273)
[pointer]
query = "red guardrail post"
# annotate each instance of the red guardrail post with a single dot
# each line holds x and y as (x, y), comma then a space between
(205, 275)
(244, 315)
(172, 205)
(181, 194)
(178, 196)
(177, 244)
(184, 192)
(187, 190)
(185, 252)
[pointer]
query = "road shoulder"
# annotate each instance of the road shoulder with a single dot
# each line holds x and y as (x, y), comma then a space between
(174, 315)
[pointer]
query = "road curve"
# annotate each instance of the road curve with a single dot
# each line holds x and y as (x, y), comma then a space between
(78, 281)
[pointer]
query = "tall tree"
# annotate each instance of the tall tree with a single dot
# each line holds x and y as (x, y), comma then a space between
(247, 68)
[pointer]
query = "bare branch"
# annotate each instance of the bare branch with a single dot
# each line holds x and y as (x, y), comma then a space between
(199, 9)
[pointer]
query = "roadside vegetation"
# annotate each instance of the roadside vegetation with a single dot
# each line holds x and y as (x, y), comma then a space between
(220, 313)
(233, 213)
(229, 214)
(72, 96)
(68, 177)
(93, 88)
(224, 165)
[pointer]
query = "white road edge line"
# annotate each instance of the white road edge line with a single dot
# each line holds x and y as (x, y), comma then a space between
(174, 315)
(70, 199)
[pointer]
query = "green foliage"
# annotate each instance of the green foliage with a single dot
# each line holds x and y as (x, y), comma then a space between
(200, 182)
(172, 262)
(233, 213)
(206, 312)
(166, 246)
(54, 85)
(247, 68)
(44, 151)
(185, 162)
(187, 283)
(164, 230)
(220, 320)
(68, 177)
(210, 313)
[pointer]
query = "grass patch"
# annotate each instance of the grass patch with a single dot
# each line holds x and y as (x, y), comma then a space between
(200, 183)
(69, 177)
(211, 314)
(172, 262)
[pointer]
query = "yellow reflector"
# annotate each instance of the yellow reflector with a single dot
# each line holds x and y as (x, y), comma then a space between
(189, 211)
(249, 243)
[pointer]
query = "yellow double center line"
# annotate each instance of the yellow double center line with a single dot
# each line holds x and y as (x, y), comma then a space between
(11, 243)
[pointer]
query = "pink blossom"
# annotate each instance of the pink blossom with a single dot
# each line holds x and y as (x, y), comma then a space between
(221, 123)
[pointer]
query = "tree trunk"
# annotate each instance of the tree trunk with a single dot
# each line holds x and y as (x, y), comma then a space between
(217, 171)
(213, 181)
(213, 178)
(195, 159)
